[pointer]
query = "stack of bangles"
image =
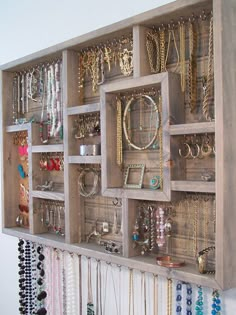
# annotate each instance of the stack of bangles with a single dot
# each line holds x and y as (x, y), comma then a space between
(169, 262)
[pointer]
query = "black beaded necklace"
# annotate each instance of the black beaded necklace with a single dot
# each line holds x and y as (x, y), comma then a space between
(28, 278)
(22, 286)
(42, 293)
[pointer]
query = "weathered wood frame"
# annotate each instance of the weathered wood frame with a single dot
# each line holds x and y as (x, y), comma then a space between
(225, 95)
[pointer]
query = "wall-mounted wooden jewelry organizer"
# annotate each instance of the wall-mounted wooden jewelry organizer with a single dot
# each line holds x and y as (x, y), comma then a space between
(119, 87)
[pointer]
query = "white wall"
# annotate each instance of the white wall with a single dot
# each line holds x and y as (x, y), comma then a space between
(27, 26)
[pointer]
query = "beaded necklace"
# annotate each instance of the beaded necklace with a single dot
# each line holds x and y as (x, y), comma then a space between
(179, 298)
(28, 277)
(33, 307)
(48, 279)
(42, 294)
(21, 265)
(58, 128)
(42, 84)
(199, 303)
(189, 302)
(216, 302)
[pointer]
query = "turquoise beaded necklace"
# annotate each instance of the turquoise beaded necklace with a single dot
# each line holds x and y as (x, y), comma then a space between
(199, 302)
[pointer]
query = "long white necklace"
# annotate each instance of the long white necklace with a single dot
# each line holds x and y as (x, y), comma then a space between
(70, 286)
(98, 289)
(48, 279)
(58, 98)
(90, 306)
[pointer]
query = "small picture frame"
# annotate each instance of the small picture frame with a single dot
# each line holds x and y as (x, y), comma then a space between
(130, 167)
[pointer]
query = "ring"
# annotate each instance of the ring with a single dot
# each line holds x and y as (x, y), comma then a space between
(155, 182)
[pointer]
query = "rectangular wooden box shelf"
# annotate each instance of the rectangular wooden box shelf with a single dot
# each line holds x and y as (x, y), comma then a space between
(178, 177)
(17, 128)
(83, 109)
(194, 186)
(51, 195)
(78, 159)
(112, 174)
(194, 128)
(47, 148)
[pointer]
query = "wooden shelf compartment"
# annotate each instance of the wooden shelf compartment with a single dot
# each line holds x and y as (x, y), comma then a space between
(172, 104)
(50, 195)
(193, 186)
(82, 109)
(194, 128)
(78, 159)
(18, 128)
(48, 148)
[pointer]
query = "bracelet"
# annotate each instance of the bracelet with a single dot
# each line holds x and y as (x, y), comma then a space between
(169, 262)
(127, 137)
(81, 182)
(201, 262)
(90, 149)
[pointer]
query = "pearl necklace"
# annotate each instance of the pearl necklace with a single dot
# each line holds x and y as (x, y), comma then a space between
(34, 277)
(70, 286)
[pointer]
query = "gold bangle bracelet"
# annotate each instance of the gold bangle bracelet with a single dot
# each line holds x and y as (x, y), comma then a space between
(127, 137)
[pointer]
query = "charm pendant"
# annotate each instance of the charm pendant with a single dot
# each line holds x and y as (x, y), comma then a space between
(126, 62)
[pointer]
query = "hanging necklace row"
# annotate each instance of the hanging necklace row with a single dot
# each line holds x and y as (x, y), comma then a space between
(50, 282)
(158, 55)
(40, 85)
(92, 61)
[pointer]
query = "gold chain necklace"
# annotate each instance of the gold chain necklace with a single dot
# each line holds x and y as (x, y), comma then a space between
(162, 49)
(171, 33)
(195, 226)
(160, 143)
(119, 148)
(192, 73)
(182, 54)
(206, 223)
(153, 51)
(169, 297)
(210, 76)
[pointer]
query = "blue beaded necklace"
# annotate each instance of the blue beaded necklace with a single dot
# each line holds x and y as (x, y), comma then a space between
(189, 301)
(216, 308)
(179, 298)
(199, 302)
